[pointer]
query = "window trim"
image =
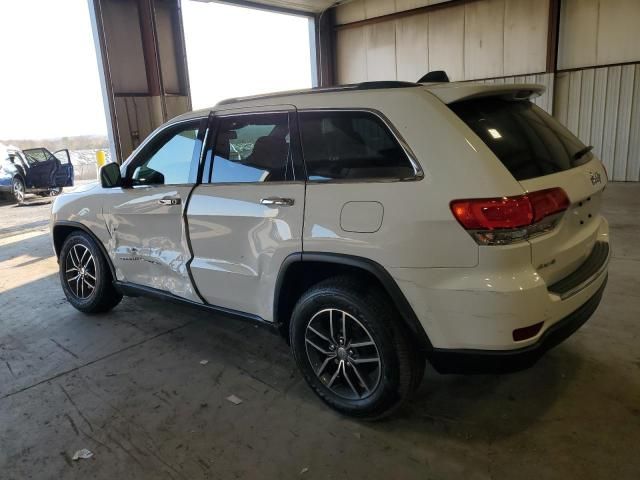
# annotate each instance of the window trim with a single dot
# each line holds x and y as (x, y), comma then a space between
(417, 168)
(297, 165)
(203, 128)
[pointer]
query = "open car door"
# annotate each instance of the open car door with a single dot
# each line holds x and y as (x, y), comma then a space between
(64, 173)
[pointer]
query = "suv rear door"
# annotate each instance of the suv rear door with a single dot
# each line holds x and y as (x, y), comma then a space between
(246, 216)
(540, 153)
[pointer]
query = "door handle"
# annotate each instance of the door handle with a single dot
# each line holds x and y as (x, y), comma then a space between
(285, 202)
(170, 201)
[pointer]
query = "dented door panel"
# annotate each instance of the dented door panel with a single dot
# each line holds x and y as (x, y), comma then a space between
(148, 242)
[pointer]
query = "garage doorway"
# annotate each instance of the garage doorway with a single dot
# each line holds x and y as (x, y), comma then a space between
(237, 51)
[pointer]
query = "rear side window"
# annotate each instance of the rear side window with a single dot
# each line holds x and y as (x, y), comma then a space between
(351, 145)
(529, 142)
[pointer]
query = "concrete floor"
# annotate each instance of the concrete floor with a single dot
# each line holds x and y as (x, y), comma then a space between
(129, 386)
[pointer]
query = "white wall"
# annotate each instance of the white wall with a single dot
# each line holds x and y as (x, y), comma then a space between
(482, 39)
(598, 32)
(506, 41)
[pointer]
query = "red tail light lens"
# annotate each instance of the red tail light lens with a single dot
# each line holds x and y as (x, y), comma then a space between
(548, 202)
(493, 213)
(508, 213)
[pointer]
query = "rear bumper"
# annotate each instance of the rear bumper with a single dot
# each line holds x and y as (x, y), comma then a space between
(470, 361)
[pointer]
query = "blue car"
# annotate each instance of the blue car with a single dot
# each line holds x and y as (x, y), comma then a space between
(35, 170)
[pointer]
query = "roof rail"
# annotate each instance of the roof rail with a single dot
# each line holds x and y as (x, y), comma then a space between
(340, 88)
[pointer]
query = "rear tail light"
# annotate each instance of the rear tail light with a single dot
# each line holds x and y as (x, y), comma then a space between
(499, 221)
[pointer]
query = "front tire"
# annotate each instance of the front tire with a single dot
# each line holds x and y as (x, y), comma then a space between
(352, 348)
(85, 276)
(18, 190)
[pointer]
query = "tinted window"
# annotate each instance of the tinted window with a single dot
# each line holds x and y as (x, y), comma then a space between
(169, 159)
(251, 148)
(527, 140)
(351, 145)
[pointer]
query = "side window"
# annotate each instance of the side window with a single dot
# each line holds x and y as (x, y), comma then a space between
(168, 159)
(251, 148)
(351, 145)
(37, 155)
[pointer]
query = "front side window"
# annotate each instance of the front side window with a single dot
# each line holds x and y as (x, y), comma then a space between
(351, 146)
(251, 148)
(168, 160)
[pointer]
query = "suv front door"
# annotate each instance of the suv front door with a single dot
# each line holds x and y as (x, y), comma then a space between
(149, 245)
(246, 216)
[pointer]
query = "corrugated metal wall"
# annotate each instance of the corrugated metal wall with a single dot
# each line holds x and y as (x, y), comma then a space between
(602, 107)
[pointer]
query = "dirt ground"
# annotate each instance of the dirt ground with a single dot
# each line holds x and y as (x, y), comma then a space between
(130, 387)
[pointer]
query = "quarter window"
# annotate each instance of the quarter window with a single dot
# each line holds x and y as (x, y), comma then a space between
(351, 145)
(251, 148)
(169, 159)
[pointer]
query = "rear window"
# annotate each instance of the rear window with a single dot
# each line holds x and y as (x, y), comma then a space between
(529, 142)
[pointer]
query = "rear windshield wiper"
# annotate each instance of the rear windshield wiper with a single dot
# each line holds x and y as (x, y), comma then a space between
(582, 152)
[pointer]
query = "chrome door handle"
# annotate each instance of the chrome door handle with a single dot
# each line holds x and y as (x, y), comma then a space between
(170, 201)
(285, 202)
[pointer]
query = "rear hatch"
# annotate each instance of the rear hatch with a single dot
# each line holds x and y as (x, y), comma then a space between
(541, 154)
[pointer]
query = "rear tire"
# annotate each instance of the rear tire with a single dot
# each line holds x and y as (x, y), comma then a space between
(365, 369)
(85, 276)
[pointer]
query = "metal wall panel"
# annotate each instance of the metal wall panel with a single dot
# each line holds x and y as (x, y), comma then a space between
(602, 107)
(446, 41)
(381, 51)
(124, 40)
(351, 56)
(598, 32)
(633, 163)
(377, 8)
(525, 24)
(484, 39)
(412, 47)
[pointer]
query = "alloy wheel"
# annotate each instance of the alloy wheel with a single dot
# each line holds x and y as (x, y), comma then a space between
(80, 271)
(18, 191)
(343, 354)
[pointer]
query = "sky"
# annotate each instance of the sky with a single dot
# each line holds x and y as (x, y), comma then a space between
(49, 84)
(49, 81)
(235, 51)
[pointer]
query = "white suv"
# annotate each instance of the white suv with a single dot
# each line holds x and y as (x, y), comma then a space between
(373, 225)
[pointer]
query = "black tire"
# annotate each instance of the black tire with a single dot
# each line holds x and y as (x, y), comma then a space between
(18, 190)
(400, 364)
(103, 296)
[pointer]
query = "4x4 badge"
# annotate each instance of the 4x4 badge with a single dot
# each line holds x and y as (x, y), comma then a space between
(595, 178)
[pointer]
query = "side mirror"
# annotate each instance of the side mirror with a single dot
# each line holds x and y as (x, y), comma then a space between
(110, 176)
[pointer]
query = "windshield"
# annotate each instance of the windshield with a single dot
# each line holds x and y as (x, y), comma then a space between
(529, 142)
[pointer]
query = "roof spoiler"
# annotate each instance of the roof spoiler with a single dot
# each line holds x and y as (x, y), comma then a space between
(457, 92)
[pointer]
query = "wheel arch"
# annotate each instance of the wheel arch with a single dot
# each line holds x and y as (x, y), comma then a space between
(61, 231)
(299, 271)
